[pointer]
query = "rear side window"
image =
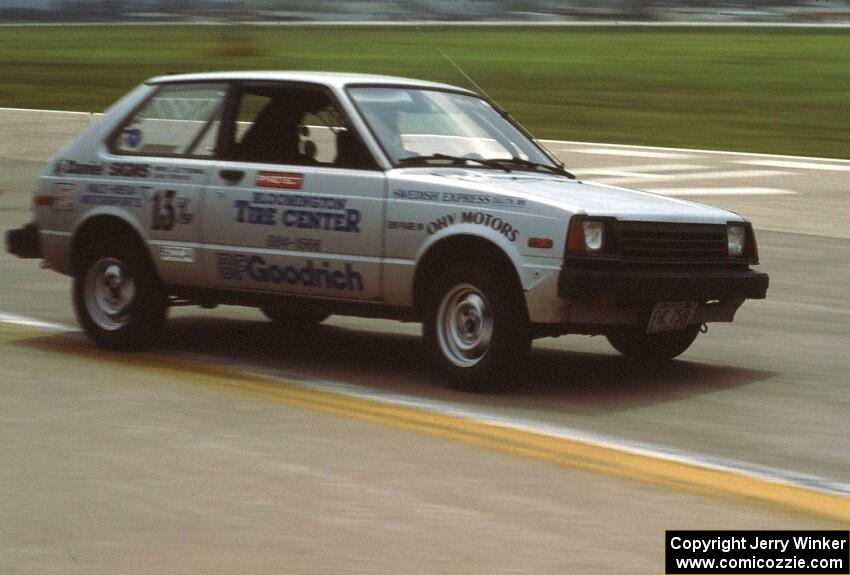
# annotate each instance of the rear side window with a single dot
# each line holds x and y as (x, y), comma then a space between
(179, 120)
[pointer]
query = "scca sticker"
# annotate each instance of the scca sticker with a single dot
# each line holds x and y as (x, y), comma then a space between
(177, 254)
(280, 180)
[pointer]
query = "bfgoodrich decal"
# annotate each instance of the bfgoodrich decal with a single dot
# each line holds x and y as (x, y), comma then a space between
(241, 267)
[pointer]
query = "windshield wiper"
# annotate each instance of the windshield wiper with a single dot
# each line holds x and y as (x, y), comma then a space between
(453, 160)
(554, 169)
(500, 163)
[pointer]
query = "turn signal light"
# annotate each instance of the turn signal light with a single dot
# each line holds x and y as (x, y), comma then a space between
(542, 243)
(575, 237)
(41, 200)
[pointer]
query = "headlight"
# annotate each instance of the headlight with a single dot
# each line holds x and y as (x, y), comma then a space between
(594, 235)
(588, 235)
(736, 239)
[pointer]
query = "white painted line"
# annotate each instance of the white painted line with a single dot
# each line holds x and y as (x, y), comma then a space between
(636, 177)
(71, 112)
(807, 308)
(556, 143)
(449, 24)
(519, 423)
(720, 191)
(639, 169)
(560, 143)
(565, 432)
(14, 319)
(796, 165)
(619, 152)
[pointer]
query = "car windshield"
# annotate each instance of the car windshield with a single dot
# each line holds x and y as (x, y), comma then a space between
(418, 126)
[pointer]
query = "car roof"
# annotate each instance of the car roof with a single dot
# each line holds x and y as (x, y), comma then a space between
(334, 79)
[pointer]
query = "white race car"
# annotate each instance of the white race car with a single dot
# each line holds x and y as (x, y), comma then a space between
(310, 194)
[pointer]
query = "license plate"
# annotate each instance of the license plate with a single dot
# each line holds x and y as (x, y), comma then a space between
(671, 316)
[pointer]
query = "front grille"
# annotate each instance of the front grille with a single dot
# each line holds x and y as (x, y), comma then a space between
(671, 242)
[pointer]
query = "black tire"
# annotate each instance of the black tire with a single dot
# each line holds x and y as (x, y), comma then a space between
(635, 343)
(286, 317)
(110, 322)
(490, 362)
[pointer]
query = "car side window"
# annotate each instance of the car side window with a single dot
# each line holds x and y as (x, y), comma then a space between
(284, 124)
(179, 120)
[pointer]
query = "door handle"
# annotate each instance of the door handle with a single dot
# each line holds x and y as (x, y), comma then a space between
(231, 176)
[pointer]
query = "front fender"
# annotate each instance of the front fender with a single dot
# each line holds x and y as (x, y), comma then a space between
(503, 243)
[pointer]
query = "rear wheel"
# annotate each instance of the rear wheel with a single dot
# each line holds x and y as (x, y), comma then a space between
(288, 317)
(635, 343)
(476, 330)
(118, 298)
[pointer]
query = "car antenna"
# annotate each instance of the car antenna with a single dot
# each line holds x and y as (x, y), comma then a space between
(499, 109)
(444, 55)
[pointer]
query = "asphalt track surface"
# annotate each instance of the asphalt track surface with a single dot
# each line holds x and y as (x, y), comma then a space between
(171, 462)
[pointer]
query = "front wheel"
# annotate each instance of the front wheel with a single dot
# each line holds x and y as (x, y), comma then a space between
(635, 343)
(118, 298)
(476, 329)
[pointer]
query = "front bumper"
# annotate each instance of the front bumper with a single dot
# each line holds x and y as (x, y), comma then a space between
(24, 242)
(619, 286)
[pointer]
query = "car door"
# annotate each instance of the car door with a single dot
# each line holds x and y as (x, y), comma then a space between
(295, 203)
(157, 165)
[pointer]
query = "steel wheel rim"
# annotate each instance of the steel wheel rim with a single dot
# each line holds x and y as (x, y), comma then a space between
(464, 325)
(109, 291)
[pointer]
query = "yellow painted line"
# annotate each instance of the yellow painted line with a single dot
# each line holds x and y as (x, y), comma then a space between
(576, 453)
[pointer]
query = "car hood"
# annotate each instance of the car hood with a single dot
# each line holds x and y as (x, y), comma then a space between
(574, 196)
